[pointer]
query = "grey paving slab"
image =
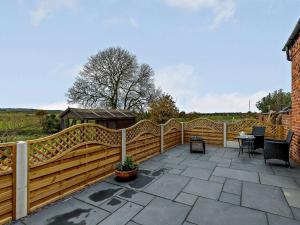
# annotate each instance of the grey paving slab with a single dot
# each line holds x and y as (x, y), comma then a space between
(296, 213)
(219, 160)
(204, 188)
(199, 163)
(292, 196)
(172, 160)
(167, 186)
(211, 212)
(122, 215)
(279, 220)
(137, 197)
(99, 193)
(112, 204)
(196, 172)
(150, 165)
(187, 223)
(233, 186)
(279, 181)
(174, 166)
(175, 171)
(132, 223)
(236, 174)
(220, 180)
(251, 167)
(266, 198)
(186, 198)
(162, 212)
(69, 212)
(139, 183)
(230, 198)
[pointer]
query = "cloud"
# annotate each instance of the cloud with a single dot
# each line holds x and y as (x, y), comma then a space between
(46, 8)
(56, 106)
(184, 83)
(223, 10)
(118, 20)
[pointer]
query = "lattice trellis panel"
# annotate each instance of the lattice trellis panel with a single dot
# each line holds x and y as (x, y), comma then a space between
(44, 149)
(203, 123)
(6, 157)
(172, 123)
(275, 131)
(142, 127)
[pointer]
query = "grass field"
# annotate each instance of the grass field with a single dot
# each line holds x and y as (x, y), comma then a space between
(25, 124)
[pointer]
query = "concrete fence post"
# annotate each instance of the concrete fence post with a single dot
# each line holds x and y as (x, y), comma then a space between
(161, 138)
(225, 135)
(21, 179)
(123, 145)
(182, 133)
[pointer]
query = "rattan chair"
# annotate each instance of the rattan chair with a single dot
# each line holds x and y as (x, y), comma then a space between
(277, 149)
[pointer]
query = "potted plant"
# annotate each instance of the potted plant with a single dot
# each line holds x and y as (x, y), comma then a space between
(127, 170)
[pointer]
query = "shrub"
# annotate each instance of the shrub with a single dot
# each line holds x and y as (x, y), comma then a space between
(50, 124)
(127, 165)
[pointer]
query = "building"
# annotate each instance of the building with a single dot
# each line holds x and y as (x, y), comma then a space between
(114, 119)
(292, 49)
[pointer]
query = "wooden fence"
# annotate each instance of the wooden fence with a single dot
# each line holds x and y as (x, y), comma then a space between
(83, 154)
(211, 131)
(7, 182)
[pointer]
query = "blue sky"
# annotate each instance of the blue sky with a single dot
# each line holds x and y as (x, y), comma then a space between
(211, 55)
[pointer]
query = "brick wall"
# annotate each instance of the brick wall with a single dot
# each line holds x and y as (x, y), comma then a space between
(286, 121)
(295, 55)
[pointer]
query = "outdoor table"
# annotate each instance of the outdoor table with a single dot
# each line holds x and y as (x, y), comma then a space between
(246, 141)
(198, 140)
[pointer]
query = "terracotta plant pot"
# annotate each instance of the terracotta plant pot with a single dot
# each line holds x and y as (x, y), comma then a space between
(126, 175)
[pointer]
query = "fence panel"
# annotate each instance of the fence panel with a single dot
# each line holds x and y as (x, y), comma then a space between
(211, 131)
(143, 140)
(272, 131)
(68, 161)
(172, 134)
(7, 182)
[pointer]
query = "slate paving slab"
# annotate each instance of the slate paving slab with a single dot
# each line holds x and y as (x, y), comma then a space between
(216, 179)
(167, 186)
(150, 165)
(186, 198)
(292, 196)
(296, 213)
(195, 172)
(112, 204)
(122, 215)
(230, 198)
(251, 167)
(279, 220)
(99, 193)
(175, 171)
(204, 188)
(236, 174)
(199, 163)
(211, 212)
(137, 197)
(233, 186)
(139, 183)
(172, 160)
(279, 181)
(69, 212)
(217, 159)
(162, 212)
(266, 198)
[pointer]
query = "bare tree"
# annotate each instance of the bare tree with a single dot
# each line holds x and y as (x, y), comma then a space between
(114, 79)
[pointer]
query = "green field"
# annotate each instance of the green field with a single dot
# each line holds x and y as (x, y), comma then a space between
(20, 124)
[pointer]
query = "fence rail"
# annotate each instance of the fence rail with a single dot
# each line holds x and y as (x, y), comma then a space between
(83, 154)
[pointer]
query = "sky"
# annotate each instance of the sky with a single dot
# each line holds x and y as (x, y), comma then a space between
(210, 55)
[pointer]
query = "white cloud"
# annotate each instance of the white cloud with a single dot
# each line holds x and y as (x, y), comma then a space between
(184, 83)
(56, 106)
(46, 8)
(119, 20)
(223, 10)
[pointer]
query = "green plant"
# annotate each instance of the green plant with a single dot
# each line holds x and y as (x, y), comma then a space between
(50, 124)
(127, 165)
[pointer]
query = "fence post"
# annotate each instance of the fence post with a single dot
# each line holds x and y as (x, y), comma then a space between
(225, 134)
(161, 138)
(21, 179)
(182, 133)
(123, 145)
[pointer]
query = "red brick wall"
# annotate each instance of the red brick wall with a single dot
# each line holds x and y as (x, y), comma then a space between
(295, 55)
(286, 121)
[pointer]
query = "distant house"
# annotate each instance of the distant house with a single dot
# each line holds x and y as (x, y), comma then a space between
(114, 119)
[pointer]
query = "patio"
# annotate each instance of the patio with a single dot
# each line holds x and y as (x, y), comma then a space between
(177, 187)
